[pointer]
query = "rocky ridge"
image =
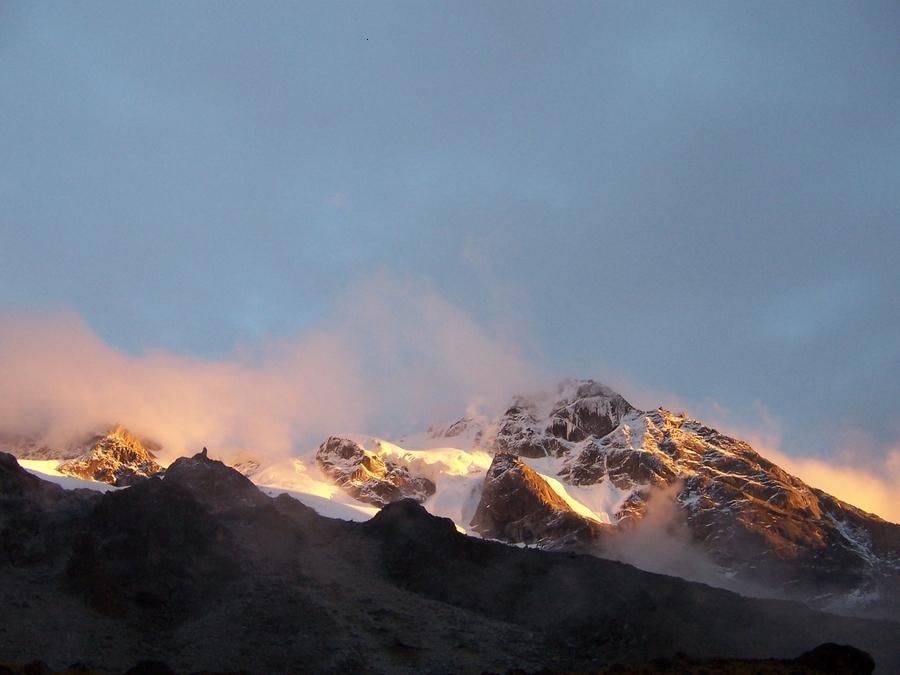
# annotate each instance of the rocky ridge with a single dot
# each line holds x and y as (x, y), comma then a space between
(547, 423)
(367, 477)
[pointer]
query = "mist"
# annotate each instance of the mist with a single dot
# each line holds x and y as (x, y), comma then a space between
(394, 354)
(661, 542)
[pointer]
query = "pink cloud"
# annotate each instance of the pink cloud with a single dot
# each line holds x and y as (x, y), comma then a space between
(395, 350)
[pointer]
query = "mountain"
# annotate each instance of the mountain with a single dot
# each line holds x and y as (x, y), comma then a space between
(117, 457)
(205, 572)
(579, 468)
(758, 523)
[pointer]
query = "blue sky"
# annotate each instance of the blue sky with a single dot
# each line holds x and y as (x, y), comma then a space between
(700, 201)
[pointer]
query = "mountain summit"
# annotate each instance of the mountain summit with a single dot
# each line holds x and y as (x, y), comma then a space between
(117, 457)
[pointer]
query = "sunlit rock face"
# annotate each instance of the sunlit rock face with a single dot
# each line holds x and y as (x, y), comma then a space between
(118, 458)
(518, 506)
(755, 519)
(366, 477)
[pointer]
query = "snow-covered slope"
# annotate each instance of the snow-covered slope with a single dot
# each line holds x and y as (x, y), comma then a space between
(302, 479)
(47, 469)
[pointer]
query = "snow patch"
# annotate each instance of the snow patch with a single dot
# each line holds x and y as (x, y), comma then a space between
(46, 469)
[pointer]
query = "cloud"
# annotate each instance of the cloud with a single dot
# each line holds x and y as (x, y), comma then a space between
(662, 542)
(640, 394)
(394, 352)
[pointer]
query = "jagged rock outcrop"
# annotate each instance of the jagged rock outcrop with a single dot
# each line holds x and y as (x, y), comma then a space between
(216, 485)
(118, 458)
(367, 477)
(519, 506)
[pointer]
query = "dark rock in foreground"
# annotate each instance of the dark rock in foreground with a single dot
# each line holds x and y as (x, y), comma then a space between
(827, 659)
(203, 572)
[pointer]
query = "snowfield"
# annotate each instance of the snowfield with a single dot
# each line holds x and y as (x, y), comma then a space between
(46, 470)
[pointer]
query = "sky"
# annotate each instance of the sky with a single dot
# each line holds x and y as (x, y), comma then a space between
(439, 202)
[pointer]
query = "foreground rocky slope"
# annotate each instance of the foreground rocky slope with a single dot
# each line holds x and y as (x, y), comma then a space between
(204, 569)
(826, 659)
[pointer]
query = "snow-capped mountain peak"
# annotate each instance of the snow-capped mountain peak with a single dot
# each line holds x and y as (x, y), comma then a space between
(117, 457)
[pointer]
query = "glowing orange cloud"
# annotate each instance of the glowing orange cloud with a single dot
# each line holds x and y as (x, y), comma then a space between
(395, 353)
(867, 489)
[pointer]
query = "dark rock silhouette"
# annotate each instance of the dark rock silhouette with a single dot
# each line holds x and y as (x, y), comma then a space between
(203, 572)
